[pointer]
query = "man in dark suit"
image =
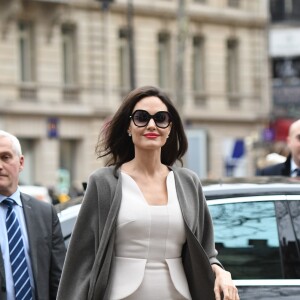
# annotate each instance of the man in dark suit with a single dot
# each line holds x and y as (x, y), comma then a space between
(41, 240)
(291, 167)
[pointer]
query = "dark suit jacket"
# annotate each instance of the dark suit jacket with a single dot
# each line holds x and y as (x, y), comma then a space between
(47, 248)
(282, 169)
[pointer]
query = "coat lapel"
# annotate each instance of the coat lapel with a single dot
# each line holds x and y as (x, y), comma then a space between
(186, 201)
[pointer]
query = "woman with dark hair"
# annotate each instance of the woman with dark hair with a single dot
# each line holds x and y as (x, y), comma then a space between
(121, 149)
(144, 230)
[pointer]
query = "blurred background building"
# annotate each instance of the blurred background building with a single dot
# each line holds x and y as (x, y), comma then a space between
(285, 66)
(66, 64)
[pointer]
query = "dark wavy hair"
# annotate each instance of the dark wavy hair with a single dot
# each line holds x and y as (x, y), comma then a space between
(115, 144)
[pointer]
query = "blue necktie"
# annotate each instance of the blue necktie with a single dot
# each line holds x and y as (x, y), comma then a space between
(17, 254)
(298, 172)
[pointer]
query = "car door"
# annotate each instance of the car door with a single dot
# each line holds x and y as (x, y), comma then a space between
(250, 235)
(288, 220)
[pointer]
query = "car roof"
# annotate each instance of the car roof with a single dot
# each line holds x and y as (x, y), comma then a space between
(254, 186)
(69, 213)
(36, 191)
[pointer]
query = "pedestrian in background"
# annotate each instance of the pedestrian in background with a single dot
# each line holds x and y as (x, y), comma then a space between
(31, 243)
(144, 230)
(291, 167)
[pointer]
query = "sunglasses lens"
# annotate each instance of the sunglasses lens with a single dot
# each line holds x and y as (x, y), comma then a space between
(162, 119)
(141, 118)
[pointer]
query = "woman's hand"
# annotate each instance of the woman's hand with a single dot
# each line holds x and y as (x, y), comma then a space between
(224, 285)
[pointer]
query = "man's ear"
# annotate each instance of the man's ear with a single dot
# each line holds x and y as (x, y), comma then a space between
(21, 163)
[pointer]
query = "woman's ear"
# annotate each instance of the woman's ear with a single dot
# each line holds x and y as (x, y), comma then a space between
(129, 131)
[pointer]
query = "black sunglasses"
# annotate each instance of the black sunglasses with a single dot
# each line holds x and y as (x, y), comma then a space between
(141, 118)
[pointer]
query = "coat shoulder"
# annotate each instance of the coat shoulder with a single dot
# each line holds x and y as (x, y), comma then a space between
(272, 170)
(186, 174)
(105, 174)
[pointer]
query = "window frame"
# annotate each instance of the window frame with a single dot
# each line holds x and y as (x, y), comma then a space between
(124, 60)
(164, 59)
(26, 51)
(232, 66)
(69, 54)
(198, 64)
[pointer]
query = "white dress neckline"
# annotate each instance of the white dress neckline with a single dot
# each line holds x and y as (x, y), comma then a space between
(168, 178)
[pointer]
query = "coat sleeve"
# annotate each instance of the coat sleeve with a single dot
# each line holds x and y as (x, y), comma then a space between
(199, 251)
(206, 237)
(82, 248)
(204, 228)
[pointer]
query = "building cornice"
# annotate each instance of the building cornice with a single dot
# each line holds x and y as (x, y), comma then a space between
(168, 10)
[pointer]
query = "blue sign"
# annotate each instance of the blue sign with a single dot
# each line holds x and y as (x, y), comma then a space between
(52, 127)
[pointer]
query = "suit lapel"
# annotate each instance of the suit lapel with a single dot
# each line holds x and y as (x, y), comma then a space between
(287, 166)
(32, 230)
(2, 271)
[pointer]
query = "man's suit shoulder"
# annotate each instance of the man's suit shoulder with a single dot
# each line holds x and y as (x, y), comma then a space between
(272, 170)
(35, 203)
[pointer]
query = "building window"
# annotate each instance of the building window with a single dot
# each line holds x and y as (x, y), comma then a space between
(234, 3)
(124, 61)
(26, 52)
(285, 10)
(286, 86)
(69, 55)
(286, 70)
(232, 67)
(164, 53)
(198, 64)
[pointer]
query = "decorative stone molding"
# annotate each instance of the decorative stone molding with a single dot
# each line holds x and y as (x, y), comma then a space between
(10, 14)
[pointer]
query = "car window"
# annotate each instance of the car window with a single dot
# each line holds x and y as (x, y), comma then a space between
(246, 238)
(288, 214)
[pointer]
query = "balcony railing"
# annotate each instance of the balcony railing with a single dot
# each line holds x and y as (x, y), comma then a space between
(200, 99)
(28, 91)
(71, 93)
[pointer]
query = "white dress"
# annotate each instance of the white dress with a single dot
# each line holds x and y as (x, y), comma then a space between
(148, 247)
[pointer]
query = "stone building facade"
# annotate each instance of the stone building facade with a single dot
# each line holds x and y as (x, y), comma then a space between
(64, 68)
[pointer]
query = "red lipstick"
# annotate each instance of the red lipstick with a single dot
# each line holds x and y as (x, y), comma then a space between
(151, 135)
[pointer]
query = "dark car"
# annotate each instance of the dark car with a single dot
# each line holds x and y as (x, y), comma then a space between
(257, 233)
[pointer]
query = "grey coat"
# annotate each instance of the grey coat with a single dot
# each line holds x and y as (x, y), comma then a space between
(91, 249)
